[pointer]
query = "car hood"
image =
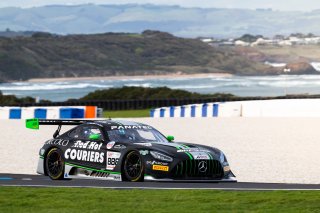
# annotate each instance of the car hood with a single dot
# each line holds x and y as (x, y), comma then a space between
(183, 150)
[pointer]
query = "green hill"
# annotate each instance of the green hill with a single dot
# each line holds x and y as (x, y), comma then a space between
(46, 55)
(129, 93)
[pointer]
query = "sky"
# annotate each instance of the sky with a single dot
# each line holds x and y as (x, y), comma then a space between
(292, 5)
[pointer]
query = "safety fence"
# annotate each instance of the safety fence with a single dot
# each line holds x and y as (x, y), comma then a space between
(155, 103)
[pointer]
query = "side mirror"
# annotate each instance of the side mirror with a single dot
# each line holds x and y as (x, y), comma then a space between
(170, 138)
(95, 137)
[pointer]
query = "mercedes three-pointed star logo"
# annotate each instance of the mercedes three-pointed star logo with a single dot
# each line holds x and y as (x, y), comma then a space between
(202, 166)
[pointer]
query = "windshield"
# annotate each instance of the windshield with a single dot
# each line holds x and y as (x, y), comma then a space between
(136, 136)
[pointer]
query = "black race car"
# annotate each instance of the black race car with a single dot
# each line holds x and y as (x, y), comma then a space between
(127, 151)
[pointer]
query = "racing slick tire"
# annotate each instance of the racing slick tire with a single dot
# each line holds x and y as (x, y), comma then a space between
(54, 164)
(133, 168)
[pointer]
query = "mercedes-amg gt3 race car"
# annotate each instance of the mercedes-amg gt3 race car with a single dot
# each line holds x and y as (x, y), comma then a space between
(125, 151)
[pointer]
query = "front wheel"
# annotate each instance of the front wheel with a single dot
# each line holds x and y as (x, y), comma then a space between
(133, 167)
(55, 164)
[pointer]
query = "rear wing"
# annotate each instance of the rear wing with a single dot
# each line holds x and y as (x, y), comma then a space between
(35, 123)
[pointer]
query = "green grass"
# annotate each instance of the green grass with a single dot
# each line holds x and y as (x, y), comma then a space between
(25, 199)
(127, 113)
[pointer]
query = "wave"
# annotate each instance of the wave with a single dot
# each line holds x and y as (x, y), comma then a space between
(194, 87)
(32, 87)
(138, 85)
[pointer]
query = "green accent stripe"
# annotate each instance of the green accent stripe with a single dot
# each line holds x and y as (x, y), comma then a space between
(210, 156)
(190, 156)
(179, 148)
(91, 169)
(42, 157)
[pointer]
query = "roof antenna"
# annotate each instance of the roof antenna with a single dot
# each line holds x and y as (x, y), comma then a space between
(56, 133)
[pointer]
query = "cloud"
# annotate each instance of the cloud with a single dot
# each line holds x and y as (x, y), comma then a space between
(250, 4)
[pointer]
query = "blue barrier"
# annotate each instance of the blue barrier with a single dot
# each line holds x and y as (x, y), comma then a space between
(40, 113)
(204, 110)
(193, 111)
(215, 110)
(182, 112)
(172, 108)
(162, 111)
(15, 113)
(152, 113)
(173, 111)
(71, 113)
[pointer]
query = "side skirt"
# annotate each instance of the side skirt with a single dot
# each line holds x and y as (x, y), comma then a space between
(79, 172)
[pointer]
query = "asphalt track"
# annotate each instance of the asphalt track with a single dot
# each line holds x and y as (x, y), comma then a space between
(42, 181)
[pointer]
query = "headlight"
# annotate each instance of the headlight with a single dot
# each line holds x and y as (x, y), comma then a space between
(161, 156)
(41, 152)
(222, 158)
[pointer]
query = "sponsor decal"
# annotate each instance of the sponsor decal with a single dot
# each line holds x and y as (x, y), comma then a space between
(156, 163)
(144, 144)
(87, 145)
(160, 168)
(57, 142)
(144, 152)
(130, 127)
(112, 159)
(110, 144)
(119, 146)
(84, 155)
(193, 150)
(117, 177)
(200, 155)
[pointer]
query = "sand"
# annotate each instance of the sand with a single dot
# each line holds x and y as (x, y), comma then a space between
(145, 77)
(276, 150)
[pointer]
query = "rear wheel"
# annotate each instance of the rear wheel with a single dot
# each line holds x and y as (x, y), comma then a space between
(133, 167)
(55, 164)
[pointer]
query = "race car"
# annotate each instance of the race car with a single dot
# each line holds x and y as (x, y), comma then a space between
(125, 151)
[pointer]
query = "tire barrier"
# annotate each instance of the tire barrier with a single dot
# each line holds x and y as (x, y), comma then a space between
(257, 108)
(61, 112)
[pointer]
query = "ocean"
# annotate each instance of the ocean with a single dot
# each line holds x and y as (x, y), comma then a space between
(237, 85)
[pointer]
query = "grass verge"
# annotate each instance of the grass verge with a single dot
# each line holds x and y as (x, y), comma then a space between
(127, 113)
(27, 199)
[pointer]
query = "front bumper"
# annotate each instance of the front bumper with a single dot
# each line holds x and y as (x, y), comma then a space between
(40, 168)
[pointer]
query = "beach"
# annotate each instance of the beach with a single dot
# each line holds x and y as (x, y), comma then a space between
(275, 150)
(123, 77)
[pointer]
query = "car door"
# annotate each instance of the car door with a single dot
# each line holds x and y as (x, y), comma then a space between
(88, 147)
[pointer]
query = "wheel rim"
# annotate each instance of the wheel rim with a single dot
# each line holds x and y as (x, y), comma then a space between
(54, 164)
(133, 166)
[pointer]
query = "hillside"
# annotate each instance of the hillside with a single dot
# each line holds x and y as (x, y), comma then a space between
(179, 21)
(129, 93)
(45, 55)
